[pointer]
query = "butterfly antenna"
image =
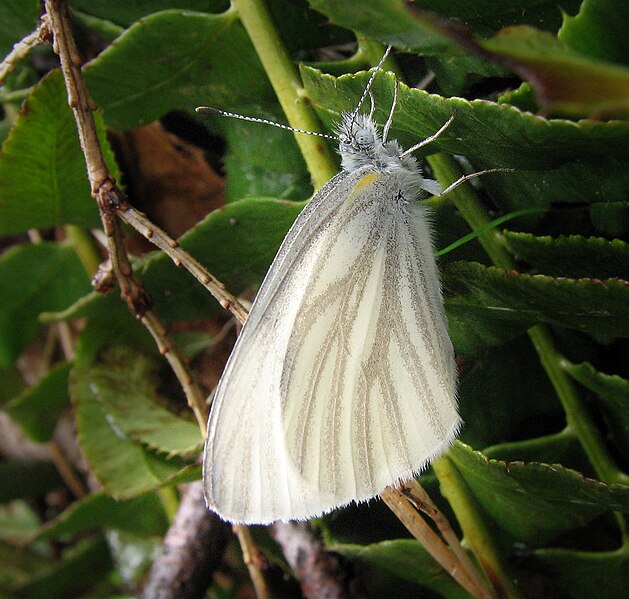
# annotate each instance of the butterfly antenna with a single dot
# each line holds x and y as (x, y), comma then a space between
(253, 119)
(370, 82)
(372, 105)
(387, 126)
(465, 178)
(430, 139)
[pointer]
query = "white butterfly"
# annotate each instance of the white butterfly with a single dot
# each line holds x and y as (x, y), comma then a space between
(343, 380)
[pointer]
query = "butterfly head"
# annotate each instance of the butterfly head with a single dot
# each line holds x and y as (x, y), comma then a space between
(359, 139)
(361, 144)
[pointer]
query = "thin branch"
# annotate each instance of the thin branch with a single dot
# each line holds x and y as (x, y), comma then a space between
(22, 48)
(60, 459)
(420, 529)
(192, 551)
(180, 257)
(109, 197)
(320, 572)
(254, 560)
(169, 349)
(66, 471)
(110, 201)
(15, 97)
(418, 496)
(476, 532)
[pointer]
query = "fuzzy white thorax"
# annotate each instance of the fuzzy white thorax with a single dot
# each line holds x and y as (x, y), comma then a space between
(361, 145)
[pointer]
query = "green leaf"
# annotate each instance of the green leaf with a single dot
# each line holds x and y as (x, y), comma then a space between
(275, 169)
(611, 218)
(38, 408)
(304, 29)
(125, 385)
(572, 256)
(143, 516)
(456, 74)
(34, 279)
(583, 574)
(123, 466)
(488, 305)
(236, 243)
(566, 81)
(533, 502)
(125, 13)
(389, 22)
(17, 523)
(27, 479)
(104, 29)
(18, 18)
(301, 27)
(485, 16)
(523, 98)
(176, 60)
(80, 569)
(557, 448)
(407, 25)
(43, 178)
(19, 566)
(613, 395)
(487, 379)
(406, 559)
(12, 384)
(597, 31)
(106, 307)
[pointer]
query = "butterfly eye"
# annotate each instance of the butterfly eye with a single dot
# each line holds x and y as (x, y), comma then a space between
(364, 137)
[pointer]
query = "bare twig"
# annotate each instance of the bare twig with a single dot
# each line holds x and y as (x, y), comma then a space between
(180, 257)
(320, 573)
(57, 452)
(22, 48)
(111, 200)
(420, 529)
(169, 349)
(192, 551)
(66, 471)
(417, 495)
(254, 560)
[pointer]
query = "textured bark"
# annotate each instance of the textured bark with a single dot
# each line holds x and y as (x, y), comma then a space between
(193, 549)
(321, 573)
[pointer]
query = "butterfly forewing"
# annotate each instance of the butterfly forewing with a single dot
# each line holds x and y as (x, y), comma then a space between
(245, 433)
